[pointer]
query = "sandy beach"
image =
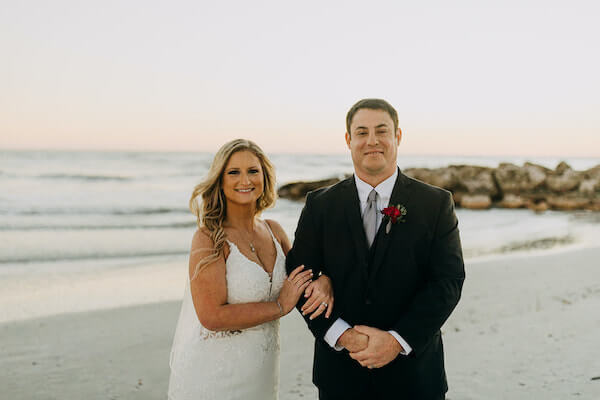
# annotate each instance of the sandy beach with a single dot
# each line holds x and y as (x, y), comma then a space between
(527, 327)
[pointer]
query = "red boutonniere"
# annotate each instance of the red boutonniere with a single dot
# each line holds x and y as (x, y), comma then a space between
(394, 214)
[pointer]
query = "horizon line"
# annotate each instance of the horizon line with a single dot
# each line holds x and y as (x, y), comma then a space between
(400, 154)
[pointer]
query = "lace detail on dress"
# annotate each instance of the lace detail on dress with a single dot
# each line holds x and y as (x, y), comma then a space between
(258, 283)
(208, 334)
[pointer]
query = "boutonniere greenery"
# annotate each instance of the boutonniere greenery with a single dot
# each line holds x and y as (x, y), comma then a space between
(394, 215)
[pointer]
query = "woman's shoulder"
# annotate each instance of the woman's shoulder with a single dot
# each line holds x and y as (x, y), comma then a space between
(274, 226)
(277, 230)
(203, 244)
(202, 237)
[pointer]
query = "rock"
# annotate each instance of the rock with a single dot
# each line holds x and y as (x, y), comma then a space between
(512, 201)
(462, 178)
(445, 178)
(536, 175)
(441, 177)
(567, 203)
(568, 180)
(537, 206)
(509, 186)
(422, 174)
(457, 197)
(589, 187)
(475, 180)
(476, 202)
(562, 167)
(514, 179)
(508, 177)
(298, 190)
(593, 205)
(592, 173)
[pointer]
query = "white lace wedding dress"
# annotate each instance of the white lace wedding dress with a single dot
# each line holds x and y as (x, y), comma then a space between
(229, 365)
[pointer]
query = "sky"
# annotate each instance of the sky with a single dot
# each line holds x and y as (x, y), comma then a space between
(467, 77)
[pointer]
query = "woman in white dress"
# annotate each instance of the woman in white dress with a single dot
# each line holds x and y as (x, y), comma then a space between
(226, 343)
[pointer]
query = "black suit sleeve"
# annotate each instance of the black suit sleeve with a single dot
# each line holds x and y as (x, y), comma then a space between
(445, 274)
(307, 250)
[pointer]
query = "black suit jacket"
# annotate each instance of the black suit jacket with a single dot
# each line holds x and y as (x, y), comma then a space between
(409, 281)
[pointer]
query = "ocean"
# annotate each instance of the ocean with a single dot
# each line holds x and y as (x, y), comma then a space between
(79, 221)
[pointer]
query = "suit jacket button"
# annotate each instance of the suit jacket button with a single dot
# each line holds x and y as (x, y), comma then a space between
(368, 301)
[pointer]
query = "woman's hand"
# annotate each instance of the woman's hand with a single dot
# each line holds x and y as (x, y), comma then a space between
(320, 298)
(293, 287)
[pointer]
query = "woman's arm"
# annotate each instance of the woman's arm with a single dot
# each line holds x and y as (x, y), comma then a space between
(209, 293)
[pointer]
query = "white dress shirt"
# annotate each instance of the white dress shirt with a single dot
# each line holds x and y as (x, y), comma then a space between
(384, 191)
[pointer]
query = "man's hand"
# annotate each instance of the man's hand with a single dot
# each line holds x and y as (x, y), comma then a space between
(353, 341)
(320, 297)
(382, 348)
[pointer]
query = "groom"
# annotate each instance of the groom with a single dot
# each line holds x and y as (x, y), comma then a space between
(396, 277)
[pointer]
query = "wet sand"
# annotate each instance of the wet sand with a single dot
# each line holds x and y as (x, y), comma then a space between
(527, 327)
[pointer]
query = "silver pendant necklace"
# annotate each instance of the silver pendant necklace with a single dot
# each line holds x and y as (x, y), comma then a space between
(250, 235)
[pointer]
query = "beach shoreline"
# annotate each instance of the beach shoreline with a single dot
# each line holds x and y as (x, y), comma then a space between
(74, 286)
(526, 328)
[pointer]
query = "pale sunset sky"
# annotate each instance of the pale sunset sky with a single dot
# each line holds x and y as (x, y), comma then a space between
(467, 77)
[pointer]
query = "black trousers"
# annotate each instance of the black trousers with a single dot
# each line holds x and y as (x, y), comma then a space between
(370, 395)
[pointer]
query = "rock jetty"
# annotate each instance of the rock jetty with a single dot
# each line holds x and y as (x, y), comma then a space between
(507, 186)
(298, 190)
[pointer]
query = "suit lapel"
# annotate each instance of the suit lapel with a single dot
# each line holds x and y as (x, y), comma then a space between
(400, 195)
(355, 226)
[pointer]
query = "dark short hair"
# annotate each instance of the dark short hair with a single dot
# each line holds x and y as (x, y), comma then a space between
(372, 104)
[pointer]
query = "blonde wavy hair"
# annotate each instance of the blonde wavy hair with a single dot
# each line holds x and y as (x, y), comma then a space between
(212, 211)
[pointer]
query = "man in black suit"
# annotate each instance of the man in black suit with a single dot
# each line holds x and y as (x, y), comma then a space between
(395, 280)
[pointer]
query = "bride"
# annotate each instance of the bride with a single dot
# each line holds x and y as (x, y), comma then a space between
(226, 343)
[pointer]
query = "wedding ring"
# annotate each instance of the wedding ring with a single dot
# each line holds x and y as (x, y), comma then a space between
(324, 304)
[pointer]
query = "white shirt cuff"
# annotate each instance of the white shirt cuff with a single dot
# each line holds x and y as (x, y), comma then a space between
(334, 332)
(405, 346)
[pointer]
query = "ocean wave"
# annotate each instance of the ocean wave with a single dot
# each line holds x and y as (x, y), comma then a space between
(85, 177)
(80, 211)
(150, 211)
(93, 256)
(176, 225)
(540, 244)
